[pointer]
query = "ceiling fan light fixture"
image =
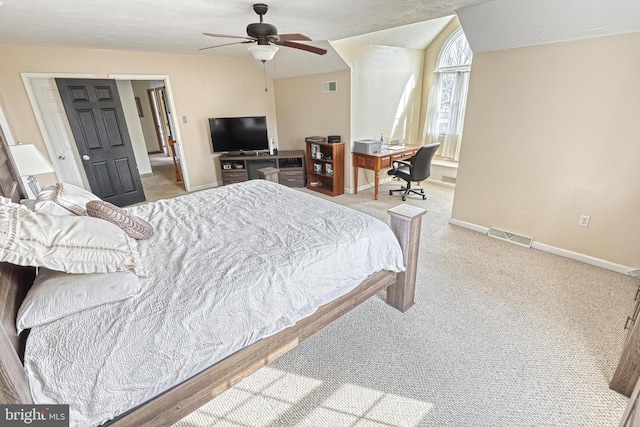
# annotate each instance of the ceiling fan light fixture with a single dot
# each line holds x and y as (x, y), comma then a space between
(263, 52)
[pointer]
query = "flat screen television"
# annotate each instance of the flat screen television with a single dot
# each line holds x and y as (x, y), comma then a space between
(238, 134)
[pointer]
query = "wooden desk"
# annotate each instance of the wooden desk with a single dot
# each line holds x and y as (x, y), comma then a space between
(377, 161)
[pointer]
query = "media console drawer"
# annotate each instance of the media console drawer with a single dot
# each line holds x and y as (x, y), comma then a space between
(243, 168)
(233, 176)
(291, 178)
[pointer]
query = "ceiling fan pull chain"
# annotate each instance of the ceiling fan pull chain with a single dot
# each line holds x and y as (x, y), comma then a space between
(264, 72)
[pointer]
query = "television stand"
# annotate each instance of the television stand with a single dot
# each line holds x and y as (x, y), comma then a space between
(240, 167)
(247, 153)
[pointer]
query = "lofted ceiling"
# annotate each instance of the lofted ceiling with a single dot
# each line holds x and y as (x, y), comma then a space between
(505, 24)
(177, 26)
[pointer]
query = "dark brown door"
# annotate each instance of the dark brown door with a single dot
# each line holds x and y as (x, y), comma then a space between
(100, 132)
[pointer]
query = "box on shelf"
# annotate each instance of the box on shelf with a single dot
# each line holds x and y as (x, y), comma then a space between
(367, 146)
(315, 139)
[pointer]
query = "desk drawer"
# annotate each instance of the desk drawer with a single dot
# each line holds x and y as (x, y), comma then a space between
(385, 162)
(365, 162)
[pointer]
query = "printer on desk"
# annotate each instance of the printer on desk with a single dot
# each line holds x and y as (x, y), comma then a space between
(367, 146)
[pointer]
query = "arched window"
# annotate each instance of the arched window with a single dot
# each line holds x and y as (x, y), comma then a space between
(455, 52)
(448, 96)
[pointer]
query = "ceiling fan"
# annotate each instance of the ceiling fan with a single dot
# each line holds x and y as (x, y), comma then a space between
(266, 36)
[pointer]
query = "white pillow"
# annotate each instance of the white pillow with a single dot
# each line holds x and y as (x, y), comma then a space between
(63, 199)
(74, 244)
(55, 294)
(45, 203)
(29, 203)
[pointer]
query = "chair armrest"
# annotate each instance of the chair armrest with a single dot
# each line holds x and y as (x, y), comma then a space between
(402, 162)
(395, 164)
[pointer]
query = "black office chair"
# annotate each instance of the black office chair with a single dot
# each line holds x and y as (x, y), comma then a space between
(417, 169)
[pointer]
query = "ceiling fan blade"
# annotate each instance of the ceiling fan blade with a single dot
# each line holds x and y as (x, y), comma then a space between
(226, 44)
(301, 46)
(227, 36)
(288, 37)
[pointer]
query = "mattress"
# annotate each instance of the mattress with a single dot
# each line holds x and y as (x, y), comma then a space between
(227, 267)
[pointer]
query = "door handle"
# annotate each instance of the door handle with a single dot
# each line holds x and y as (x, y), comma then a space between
(61, 157)
(85, 157)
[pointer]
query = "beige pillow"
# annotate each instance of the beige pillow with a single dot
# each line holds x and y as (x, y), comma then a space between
(75, 244)
(55, 294)
(63, 199)
(134, 226)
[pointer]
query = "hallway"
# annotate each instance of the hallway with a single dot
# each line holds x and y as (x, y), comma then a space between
(162, 184)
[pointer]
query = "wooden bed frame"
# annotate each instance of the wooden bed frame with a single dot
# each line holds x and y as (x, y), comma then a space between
(174, 404)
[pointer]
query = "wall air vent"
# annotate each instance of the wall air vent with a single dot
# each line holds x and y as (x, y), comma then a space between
(330, 86)
(449, 179)
(496, 233)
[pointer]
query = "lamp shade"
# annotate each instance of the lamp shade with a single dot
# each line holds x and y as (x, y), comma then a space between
(29, 160)
(263, 52)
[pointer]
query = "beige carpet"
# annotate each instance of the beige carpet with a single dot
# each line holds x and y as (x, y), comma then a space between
(162, 184)
(500, 336)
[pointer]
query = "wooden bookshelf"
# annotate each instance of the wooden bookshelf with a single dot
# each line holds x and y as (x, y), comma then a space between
(325, 173)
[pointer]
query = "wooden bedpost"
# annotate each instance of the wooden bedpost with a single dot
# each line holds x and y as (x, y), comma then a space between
(405, 224)
(14, 282)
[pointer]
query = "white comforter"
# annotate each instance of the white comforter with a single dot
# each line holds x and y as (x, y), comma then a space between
(226, 267)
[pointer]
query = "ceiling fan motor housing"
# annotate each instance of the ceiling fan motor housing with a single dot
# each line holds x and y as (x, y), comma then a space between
(260, 30)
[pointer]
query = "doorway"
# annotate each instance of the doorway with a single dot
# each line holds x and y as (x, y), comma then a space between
(57, 136)
(100, 132)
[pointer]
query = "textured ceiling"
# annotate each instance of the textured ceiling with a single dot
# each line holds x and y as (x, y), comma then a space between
(177, 26)
(505, 24)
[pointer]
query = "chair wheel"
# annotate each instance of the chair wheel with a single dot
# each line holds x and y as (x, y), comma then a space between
(404, 198)
(424, 197)
(390, 193)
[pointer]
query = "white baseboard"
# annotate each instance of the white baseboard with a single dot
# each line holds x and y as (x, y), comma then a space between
(587, 259)
(400, 183)
(470, 226)
(204, 187)
(444, 184)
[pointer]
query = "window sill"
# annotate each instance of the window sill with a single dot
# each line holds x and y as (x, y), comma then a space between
(445, 163)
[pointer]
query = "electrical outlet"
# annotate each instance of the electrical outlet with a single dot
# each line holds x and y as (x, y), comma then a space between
(184, 119)
(584, 220)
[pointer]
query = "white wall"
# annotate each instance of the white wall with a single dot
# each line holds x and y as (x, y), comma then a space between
(203, 86)
(133, 124)
(386, 83)
(146, 121)
(552, 133)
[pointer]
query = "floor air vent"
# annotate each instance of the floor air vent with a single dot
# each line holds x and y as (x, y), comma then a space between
(510, 237)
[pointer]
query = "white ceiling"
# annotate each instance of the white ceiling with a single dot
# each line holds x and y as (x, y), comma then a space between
(505, 24)
(177, 26)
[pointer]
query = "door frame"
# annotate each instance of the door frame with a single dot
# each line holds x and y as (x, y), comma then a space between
(35, 107)
(158, 124)
(27, 77)
(172, 106)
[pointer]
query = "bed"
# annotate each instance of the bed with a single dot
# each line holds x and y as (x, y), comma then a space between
(205, 339)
